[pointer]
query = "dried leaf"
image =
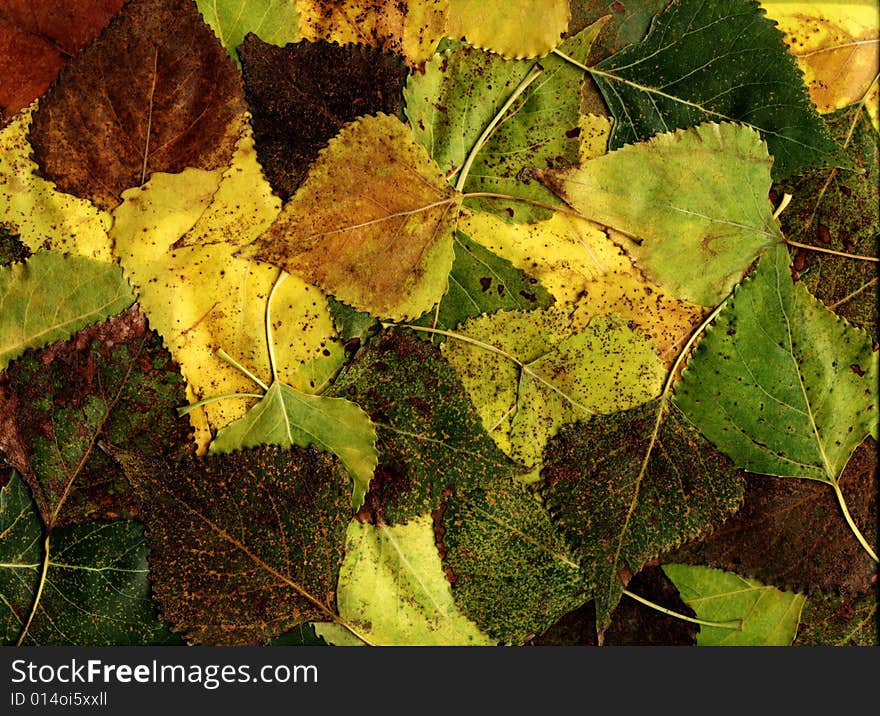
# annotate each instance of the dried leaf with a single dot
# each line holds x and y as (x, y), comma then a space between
(837, 621)
(178, 104)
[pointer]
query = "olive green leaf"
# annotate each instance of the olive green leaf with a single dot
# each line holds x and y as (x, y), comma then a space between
(51, 296)
(769, 616)
(831, 620)
(273, 21)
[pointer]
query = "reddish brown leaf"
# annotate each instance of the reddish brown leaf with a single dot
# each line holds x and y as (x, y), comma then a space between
(37, 38)
(791, 534)
(302, 94)
(155, 92)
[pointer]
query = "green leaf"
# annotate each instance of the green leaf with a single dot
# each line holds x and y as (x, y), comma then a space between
(287, 417)
(628, 22)
(460, 92)
(244, 546)
(430, 438)
(695, 201)
(112, 381)
(626, 487)
(839, 621)
(513, 574)
(715, 61)
(273, 21)
(481, 283)
(769, 617)
(51, 296)
(779, 383)
(528, 374)
(839, 209)
(392, 587)
(95, 591)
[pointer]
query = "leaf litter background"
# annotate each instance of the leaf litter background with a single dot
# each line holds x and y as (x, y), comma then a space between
(438, 322)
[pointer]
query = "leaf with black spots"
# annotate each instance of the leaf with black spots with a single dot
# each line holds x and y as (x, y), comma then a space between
(430, 437)
(512, 572)
(93, 590)
(787, 532)
(302, 94)
(113, 381)
(839, 621)
(658, 483)
(720, 61)
(246, 546)
(179, 103)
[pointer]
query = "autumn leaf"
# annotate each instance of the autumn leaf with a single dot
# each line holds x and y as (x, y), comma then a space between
(244, 546)
(383, 244)
(839, 621)
(721, 62)
(769, 617)
(302, 94)
(95, 589)
(273, 21)
(787, 533)
(37, 39)
(694, 201)
(392, 587)
(411, 29)
(528, 374)
(40, 303)
(136, 123)
(512, 572)
(516, 29)
(658, 481)
(430, 438)
(628, 22)
(44, 217)
(781, 384)
(484, 120)
(112, 381)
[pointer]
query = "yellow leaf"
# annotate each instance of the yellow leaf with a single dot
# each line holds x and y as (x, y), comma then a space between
(411, 29)
(515, 29)
(595, 131)
(42, 216)
(836, 45)
(565, 253)
(176, 238)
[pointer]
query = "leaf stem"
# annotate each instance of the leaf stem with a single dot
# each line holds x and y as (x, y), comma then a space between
(786, 200)
(852, 525)
(270, 342)
(43, 574)
(736, 624)
(235, 364)
(533, 74)
(845, 255)
(183, 410)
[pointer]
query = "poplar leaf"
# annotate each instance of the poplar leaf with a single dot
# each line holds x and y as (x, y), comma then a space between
(273, 21)
(839, 621)
(40, 303)
(769, 617)
(378, 235)
(695, 201)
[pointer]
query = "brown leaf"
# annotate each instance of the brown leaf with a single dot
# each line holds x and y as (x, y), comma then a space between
(37, 38)
(790, 533)
(155, 92)
(301, 95)
(244, 546)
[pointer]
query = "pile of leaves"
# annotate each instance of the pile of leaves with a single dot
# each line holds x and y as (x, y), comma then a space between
(438, 322)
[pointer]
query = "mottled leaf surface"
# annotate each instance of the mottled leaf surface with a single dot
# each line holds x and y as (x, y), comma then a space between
(50, 296)
(839, 209)
(714, 61)
(512, 572)
(96, 589)
(694, 200)
(779, 383)
(376, 234)
(273, 21)
(113, 381)
(302, 94)
(245, 546)
(179, 103)
(790, 534)
(655, 490)
(37, 39)
(392, 587)
(461, 91)
(769, 616)
(430, 437)
(628, 22)
(839, 621)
